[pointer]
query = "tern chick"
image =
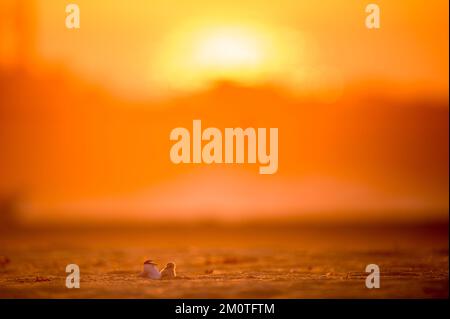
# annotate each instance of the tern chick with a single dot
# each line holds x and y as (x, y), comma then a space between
(150, 270)
(168, 272)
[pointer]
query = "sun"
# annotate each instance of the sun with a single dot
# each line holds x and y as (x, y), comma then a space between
(194, 56)
(229, 48)
(197, 56)
(235, 54)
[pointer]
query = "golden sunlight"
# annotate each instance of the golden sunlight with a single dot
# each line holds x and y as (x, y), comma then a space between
(228, 50)
(201, 54)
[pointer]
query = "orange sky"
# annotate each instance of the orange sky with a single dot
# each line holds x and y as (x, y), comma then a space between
(137, 48)
(362, 114)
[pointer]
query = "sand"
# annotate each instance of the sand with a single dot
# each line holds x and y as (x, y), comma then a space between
(227, 262)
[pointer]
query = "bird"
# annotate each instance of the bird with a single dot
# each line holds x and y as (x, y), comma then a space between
(150, 270)
(169, 272)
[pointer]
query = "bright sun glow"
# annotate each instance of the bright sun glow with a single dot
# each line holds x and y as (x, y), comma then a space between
(228, 49)
(201, 54)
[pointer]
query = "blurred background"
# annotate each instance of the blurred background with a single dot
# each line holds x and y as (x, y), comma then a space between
(85, 114)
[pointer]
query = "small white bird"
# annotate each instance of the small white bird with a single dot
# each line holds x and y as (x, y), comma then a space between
(168, 272)
(150, 270)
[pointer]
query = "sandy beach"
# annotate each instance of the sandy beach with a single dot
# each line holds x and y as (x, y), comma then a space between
(228, 262)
